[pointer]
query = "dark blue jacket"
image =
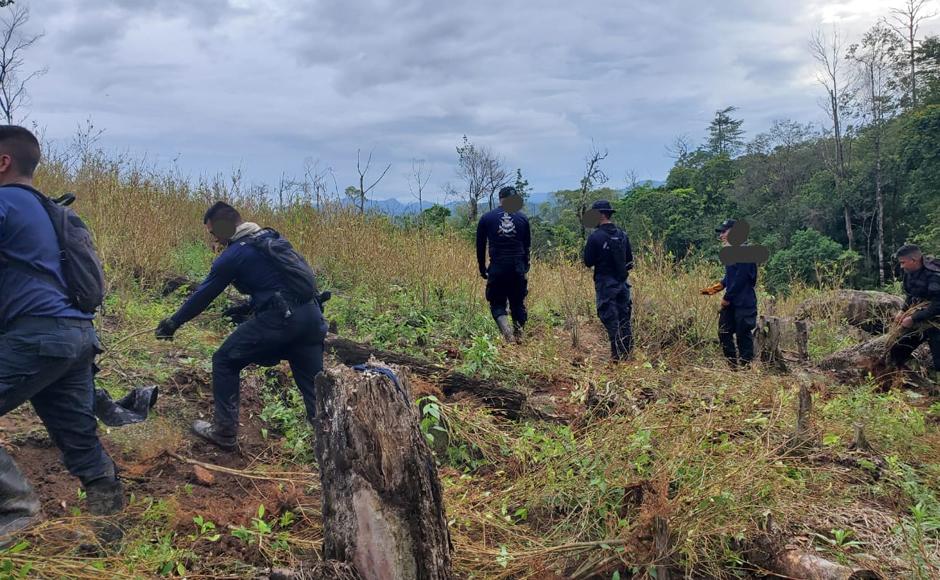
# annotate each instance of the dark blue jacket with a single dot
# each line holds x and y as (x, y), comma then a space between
(248, 268)
(27, 235)
(740, 281)
(508, 236)
(596, 255)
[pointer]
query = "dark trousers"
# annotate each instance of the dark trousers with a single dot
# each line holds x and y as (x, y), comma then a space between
(615, 308)
(736, 333)
(266, 339)
(48, 362)
(902, 351)
(507, 283)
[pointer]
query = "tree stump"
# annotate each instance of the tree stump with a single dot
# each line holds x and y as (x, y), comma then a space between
(383, 509)
(802, 340)
(661, 541)
(769, 339)
(804, 418)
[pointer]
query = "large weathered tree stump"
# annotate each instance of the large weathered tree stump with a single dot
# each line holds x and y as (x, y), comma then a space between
(796, 564)
(383, 509)
(769, 336)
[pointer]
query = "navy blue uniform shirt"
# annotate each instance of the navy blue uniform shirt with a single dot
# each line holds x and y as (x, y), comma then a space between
(739, 282)
(248, 268)
(508, 236)
(27, 235)
(596, 255)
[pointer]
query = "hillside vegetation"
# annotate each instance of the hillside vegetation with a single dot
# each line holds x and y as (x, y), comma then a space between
(671, 436)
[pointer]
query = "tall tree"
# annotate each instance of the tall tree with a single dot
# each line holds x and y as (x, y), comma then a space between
(482, 173)
(875, 57)
(725, 134)
(522, 185)
(13, 43)
(593, 177)
(363, 191)
(417, 181)
(840, 91)
(905, 21)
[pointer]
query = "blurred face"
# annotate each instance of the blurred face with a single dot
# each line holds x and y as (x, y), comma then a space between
(911, 263)
(221, 231)
(723, 236)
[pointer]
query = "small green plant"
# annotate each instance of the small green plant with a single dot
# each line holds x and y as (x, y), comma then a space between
(262, 532)
(431, 418)
(9, 569)
(480, 358)
(206, 529)
(841, 541)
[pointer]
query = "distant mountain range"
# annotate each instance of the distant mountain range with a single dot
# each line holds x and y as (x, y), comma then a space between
(396, 207)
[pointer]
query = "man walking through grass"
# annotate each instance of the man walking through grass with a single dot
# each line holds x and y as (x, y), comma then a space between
(920, 324)
(47, 342)
(608, 251)
(506, 231)
(287, 322)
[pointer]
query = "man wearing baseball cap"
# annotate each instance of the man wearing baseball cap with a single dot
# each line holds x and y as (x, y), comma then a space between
(738, 315)
(608, 251)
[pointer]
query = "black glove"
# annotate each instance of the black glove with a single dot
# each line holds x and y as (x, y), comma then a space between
(166, 329)
(483, 274)
(238, 313)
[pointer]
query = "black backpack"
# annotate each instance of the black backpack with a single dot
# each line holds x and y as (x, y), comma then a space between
(932, 263)
(298, 275)
(81, 267)
(616, 247)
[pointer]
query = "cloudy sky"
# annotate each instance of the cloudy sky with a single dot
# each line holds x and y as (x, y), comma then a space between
(262, 85)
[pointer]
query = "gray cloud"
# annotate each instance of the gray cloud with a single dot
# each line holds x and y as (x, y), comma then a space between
(265, 84)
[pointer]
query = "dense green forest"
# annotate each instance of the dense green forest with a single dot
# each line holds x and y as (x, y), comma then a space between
(831, 201)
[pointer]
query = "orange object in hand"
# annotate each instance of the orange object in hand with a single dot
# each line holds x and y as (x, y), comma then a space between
(713, 289)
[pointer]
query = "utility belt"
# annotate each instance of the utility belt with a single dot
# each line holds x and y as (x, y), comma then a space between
(283, 303)
(43, 324)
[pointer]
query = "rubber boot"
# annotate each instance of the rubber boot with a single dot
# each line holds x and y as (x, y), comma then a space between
(504, 327)
(208, 431)
(18, 504)
(517, 332)
(105, 497)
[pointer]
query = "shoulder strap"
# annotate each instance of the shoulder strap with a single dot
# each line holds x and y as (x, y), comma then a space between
(25, 267)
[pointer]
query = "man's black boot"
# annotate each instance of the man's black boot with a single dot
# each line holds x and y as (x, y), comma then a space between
(18, 504)
(517, 332)
(504, 327)
(105, 497)
(210, 433)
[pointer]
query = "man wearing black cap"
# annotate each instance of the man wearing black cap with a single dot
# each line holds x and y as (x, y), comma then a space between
(506, 230)
(608, 251)
(738, 316)
(922, 287)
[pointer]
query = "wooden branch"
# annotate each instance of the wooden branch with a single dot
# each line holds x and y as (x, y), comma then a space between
(795, 564)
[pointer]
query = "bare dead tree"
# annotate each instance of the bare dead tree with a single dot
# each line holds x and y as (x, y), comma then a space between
(316, 187)
(875, 57)
(632, 179)
(840, 92)
(680, 148)
(363, 171)
(906, 22)
(482, 173)
(417, 181)
(13, 79)
(593, 177)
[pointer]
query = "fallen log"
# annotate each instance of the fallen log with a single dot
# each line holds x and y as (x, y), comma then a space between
(871, 311)
(796, 564)
(507, 402)
(383, 506)
(854, 364)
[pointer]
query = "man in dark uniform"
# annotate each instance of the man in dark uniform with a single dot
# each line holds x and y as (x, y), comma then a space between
(608, 251)
(506, 230)
(738, 316)
(282, 327)
(47, 345)
(922, 286)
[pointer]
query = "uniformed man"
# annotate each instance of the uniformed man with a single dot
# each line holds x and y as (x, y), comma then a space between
(506, 231)
(922, 286)
(608, 251)
(285, 325)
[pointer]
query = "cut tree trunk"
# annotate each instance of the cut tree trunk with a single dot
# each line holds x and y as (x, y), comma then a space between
(769, 339)
(796, 564)
(505, 401)
(383, 508)
(871, 311)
